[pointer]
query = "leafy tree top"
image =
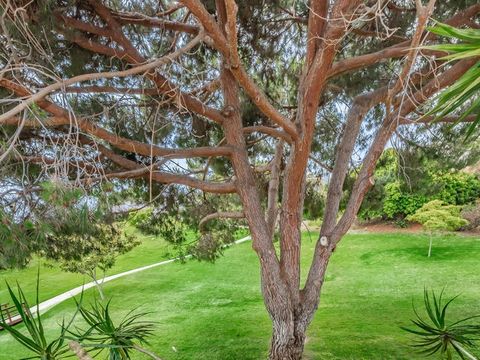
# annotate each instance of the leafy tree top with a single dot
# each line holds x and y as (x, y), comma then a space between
(436, 216)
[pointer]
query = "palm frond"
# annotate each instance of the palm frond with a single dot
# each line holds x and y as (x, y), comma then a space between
(464, 95)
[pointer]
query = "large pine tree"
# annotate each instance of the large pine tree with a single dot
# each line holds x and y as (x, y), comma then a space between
(231, 99)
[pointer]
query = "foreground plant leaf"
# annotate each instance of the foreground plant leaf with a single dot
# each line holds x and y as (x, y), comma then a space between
(435, 335)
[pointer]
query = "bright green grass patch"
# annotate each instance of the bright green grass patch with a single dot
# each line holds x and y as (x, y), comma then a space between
(55, 281)
(215, 311)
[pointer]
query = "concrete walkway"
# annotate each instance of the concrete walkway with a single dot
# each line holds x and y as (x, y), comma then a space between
(48, 304)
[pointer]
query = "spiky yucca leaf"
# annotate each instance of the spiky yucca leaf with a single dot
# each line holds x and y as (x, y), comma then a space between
(103, 333)
(35, 339)
(436, 335)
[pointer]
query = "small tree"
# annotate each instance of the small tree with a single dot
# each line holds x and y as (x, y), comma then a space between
(103, 249)
(435, 216)
(81, 236)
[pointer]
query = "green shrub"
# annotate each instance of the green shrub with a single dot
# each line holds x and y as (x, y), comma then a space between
(457, 188)
(398, 204)
(401, 223)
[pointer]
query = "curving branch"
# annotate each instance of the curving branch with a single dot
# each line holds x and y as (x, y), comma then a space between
(135, 170)
(62, 117)
(130, 54)
(100, 75)
(134, 18)
(122, 143)
(400, 49)
(220, 215)
(276, 133)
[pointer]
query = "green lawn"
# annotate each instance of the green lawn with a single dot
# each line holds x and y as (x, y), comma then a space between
(215, 311)
(54, 281)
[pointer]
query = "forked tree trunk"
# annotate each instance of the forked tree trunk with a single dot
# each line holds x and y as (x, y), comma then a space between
(98, 284)
(289, 324)
(286, 345)
(293, 312)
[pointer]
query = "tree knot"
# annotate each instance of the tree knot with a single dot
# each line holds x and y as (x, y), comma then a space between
(228, 111)
(324, 241)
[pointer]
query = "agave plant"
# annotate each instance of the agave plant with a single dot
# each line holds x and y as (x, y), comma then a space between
(436, 335)
(119, 340)
(35, 339)
(465, 92)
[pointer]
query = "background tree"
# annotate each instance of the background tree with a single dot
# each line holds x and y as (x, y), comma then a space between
(408, 177)
(66, 226)
(85, 254)
(435, 216)
(226, 100)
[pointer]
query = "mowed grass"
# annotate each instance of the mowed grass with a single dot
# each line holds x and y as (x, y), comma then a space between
(54, 281)
(215, 311)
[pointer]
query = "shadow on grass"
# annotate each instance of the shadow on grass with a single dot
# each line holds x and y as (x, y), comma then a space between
(419, 254)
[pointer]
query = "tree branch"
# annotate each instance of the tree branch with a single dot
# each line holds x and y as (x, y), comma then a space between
(131, 55)
(359, 108)
(137, 170)
(364, 179)
(397, 50)
(276, 133)
(317, 20)
(273, 187)
(133, 18)
(228, 51)
(434, 120)
(101, 75)
(220, 215)
(110, 90)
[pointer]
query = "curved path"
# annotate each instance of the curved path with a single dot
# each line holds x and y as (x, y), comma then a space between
(48, 304)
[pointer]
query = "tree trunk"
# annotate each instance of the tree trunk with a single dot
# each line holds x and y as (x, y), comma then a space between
(98, 285)
(78, 350)
(287, 341)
